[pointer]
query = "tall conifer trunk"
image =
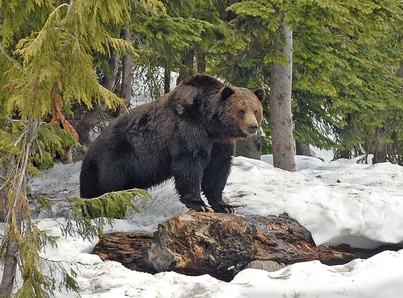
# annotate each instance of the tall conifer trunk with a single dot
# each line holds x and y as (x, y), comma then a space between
(167, 77)
(127, 75)
(17, 204)
(187, 68)
(280, 103)
(93, 116)
(251, 147)
(302, 148)
(381, 147)
(200, 61)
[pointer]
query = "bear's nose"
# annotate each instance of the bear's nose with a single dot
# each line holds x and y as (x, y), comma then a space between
(252, 127)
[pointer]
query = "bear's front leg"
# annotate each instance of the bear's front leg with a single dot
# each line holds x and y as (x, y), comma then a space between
(188, 173)
(216, 175)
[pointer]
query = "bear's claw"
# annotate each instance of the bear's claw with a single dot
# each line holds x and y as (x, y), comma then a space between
(229, 209)
(222, 207)
(207, 209)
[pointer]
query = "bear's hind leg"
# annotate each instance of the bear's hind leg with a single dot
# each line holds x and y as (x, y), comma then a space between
(89, 181)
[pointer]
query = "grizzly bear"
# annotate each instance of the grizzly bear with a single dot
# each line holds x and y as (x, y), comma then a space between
(187, 134)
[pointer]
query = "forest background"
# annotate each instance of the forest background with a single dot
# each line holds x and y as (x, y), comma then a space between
(67, 68)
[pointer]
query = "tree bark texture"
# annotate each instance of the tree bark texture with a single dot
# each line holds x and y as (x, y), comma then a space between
(15, 206)
(187, 65)
(280, 103)
(221, 245)
(92, 117)
(167, 78)
(381, 148)
(201, 61)
(127, 76)
(302, 148)
(251, 147)
(10, 266)
(127, 248)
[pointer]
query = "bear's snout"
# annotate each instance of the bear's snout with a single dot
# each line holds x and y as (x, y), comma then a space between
(252, 128)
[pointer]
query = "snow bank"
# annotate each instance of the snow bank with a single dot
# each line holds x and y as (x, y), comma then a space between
(338, 202)
(356, 204)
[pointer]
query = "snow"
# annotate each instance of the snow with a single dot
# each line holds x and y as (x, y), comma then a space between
(337, 201)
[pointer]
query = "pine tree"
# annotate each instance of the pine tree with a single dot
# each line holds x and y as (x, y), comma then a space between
(343, 55)
(47, 66)
(270, 26)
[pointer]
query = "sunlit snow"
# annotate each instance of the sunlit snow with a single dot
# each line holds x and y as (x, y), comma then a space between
(338, 202)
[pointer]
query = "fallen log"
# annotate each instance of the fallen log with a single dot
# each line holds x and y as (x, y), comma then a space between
(127, 248)
(221, 245)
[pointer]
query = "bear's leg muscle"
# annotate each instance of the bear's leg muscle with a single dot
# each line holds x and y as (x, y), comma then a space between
(188, 173)
(216, 175)
(89, 180)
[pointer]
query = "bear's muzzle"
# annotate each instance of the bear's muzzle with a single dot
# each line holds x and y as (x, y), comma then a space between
(252, 128)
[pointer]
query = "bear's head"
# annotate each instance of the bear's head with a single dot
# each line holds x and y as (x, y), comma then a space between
(227, 112)
(242, 112)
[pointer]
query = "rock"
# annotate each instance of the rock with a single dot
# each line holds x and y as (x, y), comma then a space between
(221, 245)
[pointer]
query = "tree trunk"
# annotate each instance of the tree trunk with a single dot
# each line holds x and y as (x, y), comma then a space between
(249, 148)
(345, 138)
(201, 61)
(280, 103)
(93, 116)
(381, 148)
(16, 203)
(167, 78)
(127, 76)
(302, 148)
(67, 156)
(10, 266)
(187, 68)
(88, 122)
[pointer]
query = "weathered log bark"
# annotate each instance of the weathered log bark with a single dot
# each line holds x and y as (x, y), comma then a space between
(221, 245)
(127, 248)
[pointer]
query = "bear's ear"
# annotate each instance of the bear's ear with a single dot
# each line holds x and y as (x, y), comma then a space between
(260, 93)
(226, 92)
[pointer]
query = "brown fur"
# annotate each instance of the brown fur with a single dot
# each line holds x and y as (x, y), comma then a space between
(188, 133)
(241, 102)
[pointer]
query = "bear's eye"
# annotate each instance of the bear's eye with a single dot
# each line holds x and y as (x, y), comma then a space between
(241, 113)
(255, 112)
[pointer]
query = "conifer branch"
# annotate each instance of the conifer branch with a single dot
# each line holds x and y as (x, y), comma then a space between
(60, 6)
(57, 113)
(103, 210)
(9, 58)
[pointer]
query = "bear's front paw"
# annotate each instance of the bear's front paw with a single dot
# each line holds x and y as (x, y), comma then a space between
(200, 208)
(223, 208)
(196, 204)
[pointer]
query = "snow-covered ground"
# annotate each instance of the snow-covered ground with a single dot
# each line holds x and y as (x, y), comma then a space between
(338, 202)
